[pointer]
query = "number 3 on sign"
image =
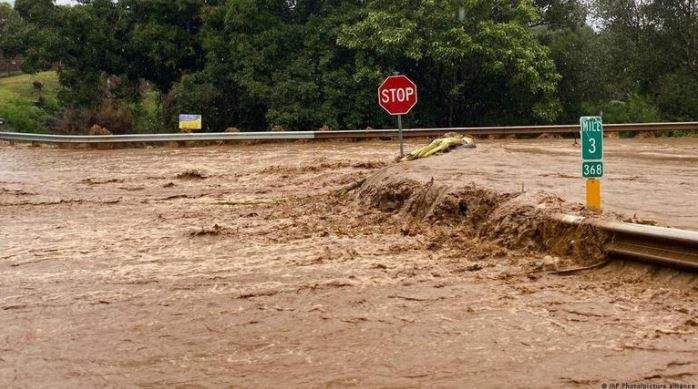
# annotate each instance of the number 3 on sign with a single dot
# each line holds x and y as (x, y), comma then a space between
(592, 145)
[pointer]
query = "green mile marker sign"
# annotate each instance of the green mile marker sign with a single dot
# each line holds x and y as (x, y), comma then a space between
(591, 128)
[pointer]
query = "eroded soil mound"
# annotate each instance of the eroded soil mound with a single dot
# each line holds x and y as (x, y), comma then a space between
(191, 174)
(515, 220)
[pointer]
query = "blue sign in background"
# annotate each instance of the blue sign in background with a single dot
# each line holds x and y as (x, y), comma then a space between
(189, 118)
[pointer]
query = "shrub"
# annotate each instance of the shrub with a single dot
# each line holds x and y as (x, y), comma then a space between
(199, 93)
(114, 115)
(677, 97)
(23, 116)
(73, 121)
(636, 109)
(148, 113)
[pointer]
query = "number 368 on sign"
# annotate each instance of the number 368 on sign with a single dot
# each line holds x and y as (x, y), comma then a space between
(592, 169)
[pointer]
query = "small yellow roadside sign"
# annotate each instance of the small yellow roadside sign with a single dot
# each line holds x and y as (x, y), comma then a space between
(190, 122)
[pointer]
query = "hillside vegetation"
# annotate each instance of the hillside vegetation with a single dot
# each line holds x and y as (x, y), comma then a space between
(134, 65)
(25, 109)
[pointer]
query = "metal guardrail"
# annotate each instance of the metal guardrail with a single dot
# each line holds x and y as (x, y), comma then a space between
(658, 245)
(358, 134)
(508, 130)
(154, 138)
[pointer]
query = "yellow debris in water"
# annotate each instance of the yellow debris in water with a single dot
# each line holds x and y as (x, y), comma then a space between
(443, 144)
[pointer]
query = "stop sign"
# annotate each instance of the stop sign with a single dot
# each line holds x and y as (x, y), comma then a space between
(397, 95)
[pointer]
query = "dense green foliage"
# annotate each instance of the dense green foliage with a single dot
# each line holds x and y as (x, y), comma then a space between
(319, 63)
(14, 32)
(475, 63)
(303, 64)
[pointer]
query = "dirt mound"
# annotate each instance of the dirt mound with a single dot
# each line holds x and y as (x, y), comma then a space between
(191, 174)
(98, 130)
(314, 167)
(524, 221)
(369, 164)
(513, 220)
(321, 165)
(429, 201)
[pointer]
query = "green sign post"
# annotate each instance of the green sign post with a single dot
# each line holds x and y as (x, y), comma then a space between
(591, 132)
(592, 146)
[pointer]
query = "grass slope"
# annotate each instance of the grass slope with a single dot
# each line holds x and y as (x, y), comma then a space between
(17, 98)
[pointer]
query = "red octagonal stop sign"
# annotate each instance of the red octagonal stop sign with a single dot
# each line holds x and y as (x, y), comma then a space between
(397, 95)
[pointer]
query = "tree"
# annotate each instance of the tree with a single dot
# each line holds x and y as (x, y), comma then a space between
(478, 59)
(677, 96)
(310, 63)
(13, 33)
(675, 32)
(163, 41)
(303, 64)
(673, 41)
(653, 45)
(578, 54)
(39, 12)
(280, 63)
(561, 14)
(577, 57)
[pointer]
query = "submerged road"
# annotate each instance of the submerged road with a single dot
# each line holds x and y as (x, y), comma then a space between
(241, 265)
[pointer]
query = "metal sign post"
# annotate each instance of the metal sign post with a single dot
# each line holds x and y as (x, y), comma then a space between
(399, 129)
(591, 136)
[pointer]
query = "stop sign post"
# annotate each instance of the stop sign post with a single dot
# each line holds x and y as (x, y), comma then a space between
(397, 95)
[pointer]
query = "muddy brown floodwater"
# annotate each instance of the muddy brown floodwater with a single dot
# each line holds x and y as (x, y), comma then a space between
(245, 266)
